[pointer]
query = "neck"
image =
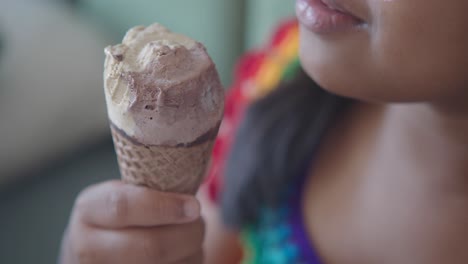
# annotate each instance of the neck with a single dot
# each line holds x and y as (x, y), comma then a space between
(425, 141)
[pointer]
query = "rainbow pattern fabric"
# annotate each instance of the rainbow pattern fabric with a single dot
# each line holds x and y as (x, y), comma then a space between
(279, 236)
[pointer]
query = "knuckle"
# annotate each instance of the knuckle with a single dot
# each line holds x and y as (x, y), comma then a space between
(199, 230)
(117, 205)
(81, 203)
(167, 207)
(85, 256)
(197, 258)
(84, 253)
(153, 248)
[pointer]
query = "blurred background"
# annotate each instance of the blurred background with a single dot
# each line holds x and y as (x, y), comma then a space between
(54, 135)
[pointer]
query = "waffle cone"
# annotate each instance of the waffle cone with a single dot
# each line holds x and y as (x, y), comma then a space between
(167, 169)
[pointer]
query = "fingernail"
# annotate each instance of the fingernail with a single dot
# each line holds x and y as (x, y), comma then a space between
(191, 209)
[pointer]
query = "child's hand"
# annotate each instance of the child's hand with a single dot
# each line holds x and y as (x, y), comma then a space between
(118, 223)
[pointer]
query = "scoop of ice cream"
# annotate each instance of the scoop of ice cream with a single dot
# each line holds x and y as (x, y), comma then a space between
(162, 88)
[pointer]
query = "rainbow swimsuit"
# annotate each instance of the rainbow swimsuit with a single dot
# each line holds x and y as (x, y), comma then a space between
(279, 237)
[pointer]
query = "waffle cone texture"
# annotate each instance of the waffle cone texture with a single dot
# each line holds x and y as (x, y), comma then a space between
(179, 169)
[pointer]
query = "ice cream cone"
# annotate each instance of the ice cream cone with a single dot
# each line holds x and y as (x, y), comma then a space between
(165, 104)
(169, 169)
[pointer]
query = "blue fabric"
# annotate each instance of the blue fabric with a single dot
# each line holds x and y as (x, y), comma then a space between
(280, 236)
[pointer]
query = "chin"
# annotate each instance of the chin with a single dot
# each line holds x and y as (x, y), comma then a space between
(341, 82)
(376, 89)
(333, 65)
(358, 81)
(344, 65)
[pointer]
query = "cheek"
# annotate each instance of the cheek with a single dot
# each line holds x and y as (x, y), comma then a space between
(336, 63)
(412, 52)
(423, 47)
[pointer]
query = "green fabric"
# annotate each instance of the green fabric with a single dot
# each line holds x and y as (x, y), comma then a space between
(291, 70)
(251, 247)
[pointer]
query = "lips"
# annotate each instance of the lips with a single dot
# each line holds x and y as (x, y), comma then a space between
(332, 4)
(327, 16)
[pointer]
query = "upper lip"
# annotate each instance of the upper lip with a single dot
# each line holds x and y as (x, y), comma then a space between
(347, 7)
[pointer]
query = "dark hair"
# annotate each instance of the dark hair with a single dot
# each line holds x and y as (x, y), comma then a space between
(277, 137)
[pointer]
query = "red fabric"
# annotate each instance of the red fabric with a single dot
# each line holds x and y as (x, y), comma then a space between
(282, 31)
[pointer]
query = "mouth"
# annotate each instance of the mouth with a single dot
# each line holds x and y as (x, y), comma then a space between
(327, 16)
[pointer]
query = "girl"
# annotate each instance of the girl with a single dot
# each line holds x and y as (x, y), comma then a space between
(360, 155)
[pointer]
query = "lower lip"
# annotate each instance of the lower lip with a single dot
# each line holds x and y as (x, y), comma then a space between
(321, 19)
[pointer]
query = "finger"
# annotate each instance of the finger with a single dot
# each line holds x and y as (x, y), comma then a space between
(141, 245)
(196, 259)
(118, 205)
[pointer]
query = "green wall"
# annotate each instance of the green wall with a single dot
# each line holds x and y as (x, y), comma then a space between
(262, 16)
(226, 27)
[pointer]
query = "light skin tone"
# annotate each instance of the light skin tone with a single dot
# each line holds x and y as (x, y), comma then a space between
(114, 222)
(400, 192)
